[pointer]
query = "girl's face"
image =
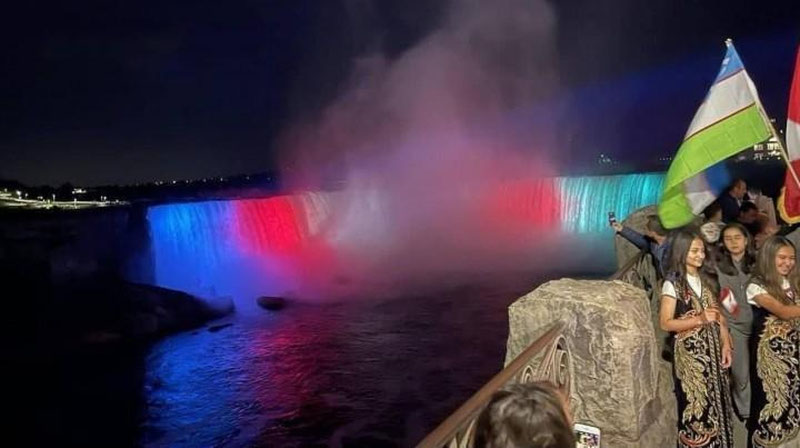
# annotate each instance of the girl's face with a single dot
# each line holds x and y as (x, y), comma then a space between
(734, 241)
(697, 254)
(785, 260)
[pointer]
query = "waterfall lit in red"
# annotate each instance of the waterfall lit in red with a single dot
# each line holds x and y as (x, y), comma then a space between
(268, 225)
(533, 203)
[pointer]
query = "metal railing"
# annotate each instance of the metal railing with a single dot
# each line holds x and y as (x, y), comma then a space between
(547, 358)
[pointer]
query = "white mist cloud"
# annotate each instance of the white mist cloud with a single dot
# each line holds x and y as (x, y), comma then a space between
(422, 146)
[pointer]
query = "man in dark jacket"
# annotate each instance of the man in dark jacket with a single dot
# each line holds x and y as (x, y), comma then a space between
(731, 200)
(654, 241)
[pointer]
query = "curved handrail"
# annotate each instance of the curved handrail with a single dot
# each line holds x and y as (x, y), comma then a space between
(463, 418)
(633, 261)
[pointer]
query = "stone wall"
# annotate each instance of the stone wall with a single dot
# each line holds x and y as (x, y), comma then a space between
(620, 384)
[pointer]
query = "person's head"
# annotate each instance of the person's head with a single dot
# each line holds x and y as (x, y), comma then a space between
(735, 239)
(736, 244)
(687, 255)
(748, 213)
(776, 261)
(713, 213)
(738, 188)
(710, 232)
(531, 415)
(687, 252)
(654, 228)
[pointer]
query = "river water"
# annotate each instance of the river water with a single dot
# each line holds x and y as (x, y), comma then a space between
(367, 373)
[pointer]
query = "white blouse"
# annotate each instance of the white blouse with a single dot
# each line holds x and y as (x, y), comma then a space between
(694, 282)
(754, 290)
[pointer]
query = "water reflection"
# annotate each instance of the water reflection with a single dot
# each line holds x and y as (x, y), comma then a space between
(372, 373)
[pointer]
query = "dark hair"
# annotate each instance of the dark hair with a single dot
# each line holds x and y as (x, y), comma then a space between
(524, 416)
(712, 210)
(681, 241)
(766, 273)
(723, 258)
(734, 184)
(653, 224)
(747, 206)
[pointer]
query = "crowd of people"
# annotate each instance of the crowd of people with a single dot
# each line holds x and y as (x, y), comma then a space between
(729, 300)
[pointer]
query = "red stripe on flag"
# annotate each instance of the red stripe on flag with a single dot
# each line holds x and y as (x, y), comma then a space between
(789, 201)
(794, 96)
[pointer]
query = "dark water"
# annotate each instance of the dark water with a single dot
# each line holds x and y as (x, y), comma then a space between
(371, 373)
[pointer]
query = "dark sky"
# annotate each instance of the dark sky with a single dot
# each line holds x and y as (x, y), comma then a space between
(97, 92)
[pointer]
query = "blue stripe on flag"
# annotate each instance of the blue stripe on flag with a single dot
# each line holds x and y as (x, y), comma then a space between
(731, 64)
(718, 178)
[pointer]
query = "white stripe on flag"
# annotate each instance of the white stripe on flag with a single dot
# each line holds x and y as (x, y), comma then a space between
(730, 95)
(698, 192)
(793, 139)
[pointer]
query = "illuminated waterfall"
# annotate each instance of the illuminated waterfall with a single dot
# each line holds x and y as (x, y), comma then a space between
(220, 247)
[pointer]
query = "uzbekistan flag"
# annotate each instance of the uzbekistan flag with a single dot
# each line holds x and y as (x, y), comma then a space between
(789, 201)
(729, 121)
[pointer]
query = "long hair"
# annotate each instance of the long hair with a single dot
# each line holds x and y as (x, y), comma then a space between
(722, 256)
(676, 267)
(524, 416)
(766, 272)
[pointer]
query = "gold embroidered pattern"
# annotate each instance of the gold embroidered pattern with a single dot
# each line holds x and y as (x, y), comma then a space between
(779, 371)
(705, 417)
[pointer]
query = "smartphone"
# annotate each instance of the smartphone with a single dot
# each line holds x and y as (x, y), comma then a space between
(612, 218)
(587, 436)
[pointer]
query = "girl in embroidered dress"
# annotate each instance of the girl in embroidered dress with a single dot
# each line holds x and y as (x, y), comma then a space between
(702, 346)
(775, 359)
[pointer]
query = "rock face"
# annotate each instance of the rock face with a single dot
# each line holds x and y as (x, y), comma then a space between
(271, 303)
(636, 221)
(109, 309)
(619, 382)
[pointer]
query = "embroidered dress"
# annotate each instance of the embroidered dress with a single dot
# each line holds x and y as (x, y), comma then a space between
(701, 384)
(775, 358)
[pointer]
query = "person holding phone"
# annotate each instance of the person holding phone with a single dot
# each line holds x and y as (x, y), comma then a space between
(701, 345)
(775, 346)
(654, 242)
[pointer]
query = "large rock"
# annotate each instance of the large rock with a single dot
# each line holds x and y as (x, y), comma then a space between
(619, 382)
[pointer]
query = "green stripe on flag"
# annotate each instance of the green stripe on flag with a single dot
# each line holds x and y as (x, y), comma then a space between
(703, 149)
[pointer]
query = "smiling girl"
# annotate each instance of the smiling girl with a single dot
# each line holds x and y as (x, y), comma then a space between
(775, 346)
(702, 346)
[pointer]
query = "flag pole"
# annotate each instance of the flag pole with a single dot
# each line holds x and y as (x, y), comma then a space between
(765, 117)
(781, 145)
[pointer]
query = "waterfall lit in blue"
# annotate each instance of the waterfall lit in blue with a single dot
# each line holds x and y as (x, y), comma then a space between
(586, 201)
(194, 249)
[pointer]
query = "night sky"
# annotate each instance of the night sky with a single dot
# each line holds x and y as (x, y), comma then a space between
(99, 92)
